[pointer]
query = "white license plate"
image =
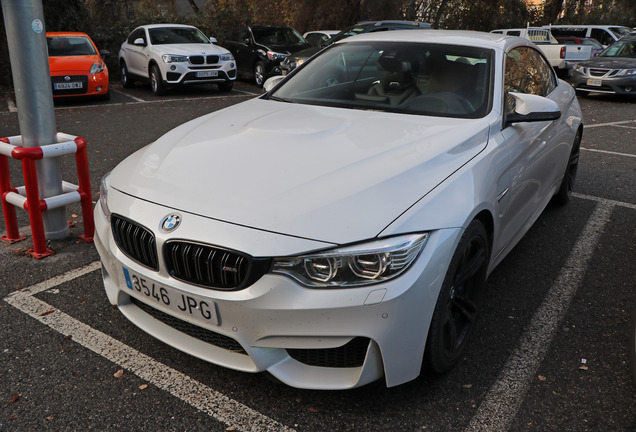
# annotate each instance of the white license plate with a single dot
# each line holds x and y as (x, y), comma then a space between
(188, 305)
(68, 86)
(207, 74)
(595, 82)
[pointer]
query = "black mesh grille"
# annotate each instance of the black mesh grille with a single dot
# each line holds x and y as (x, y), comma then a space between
(210, 266)
(136, 241)
(351, 354)
(212, 59)
(197, 60)
(72, 79)
(197, 332)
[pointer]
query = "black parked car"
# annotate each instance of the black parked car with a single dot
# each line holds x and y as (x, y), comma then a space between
(612, 71)
(291, 62)
(259, 50)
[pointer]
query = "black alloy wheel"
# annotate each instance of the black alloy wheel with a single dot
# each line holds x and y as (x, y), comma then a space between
(457, 306)
(259, 73)
(564, 194)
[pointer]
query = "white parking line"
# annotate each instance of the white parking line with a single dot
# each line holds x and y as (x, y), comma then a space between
(503, 400)
(234, 414)
(608, 152)
(617, 123)
(126, 95)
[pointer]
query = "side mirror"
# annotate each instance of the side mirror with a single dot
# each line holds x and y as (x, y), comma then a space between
(213, 40)
(532, 108)
(272, 82)
(140, 42)
(104, 53)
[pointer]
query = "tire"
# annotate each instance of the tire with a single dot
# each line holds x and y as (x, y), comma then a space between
(156, 82)
(126, 80)
(457, 306)
(564, 194)
(226, 86)
(259, 73)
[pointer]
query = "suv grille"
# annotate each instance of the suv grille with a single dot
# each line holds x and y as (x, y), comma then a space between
(351, 354)
(197, 332)
(199, 60)
(136, 241)
(211, 266)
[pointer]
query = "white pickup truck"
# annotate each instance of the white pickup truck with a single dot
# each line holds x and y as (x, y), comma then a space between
(561, 57)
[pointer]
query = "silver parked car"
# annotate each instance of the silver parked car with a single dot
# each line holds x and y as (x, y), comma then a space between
(340, 228)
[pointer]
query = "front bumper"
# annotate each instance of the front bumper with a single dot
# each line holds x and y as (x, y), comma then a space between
(604, 84)
(276, 325)
(81, 84)
(186, 73)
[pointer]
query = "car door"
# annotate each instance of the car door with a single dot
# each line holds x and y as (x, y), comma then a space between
(241, 45)
(535, 164)
(136, 54)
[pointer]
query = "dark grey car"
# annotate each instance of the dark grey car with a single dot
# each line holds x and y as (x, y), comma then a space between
(612, 71)
(291, 62)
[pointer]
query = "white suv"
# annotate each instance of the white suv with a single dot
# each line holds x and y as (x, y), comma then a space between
(174, 54)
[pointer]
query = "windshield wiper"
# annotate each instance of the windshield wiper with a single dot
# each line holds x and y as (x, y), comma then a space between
(279, 99)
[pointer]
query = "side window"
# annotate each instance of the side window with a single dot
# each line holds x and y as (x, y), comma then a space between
(526, 71)
(602, 36)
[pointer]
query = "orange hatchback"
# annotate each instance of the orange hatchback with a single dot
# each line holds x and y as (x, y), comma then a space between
(77, 67)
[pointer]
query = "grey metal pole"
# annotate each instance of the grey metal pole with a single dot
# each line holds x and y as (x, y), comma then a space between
(26, 38)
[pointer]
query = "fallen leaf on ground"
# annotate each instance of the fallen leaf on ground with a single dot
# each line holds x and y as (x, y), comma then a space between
(119, 373)
(542, 378)
(12, 417)
(47, 313)
(314, 410)
(14, 399)
(143, 386)
(231, 428)
(583, 368)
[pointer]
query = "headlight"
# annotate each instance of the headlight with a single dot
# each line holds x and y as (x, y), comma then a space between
(172, 58)
(96, 68)
(579, 69)
(275, 56)
(357, 265)
(626, 72)
(226, 57)
(103, 195)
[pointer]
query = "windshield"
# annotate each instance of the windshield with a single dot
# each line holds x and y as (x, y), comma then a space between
(412, 78)
(620, 31)
(620, 49)
(351, 31)
(277, 36)
(69, 46)
(176, 35)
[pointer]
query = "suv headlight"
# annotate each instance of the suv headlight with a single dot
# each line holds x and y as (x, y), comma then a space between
(226, 57)
(357, 265)
(579, 69)
(275, 56)
(96, 68)
(173, 58)
(103, 195)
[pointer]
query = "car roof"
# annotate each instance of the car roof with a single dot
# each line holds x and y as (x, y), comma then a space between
(66, 34)
(150, 26)
(451, 37)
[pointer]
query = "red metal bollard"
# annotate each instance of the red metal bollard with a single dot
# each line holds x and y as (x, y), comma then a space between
(30, 200)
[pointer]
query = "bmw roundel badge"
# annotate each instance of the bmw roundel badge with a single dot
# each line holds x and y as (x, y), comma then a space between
(170, 222)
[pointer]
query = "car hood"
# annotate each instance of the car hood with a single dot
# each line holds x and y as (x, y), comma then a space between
(609, 62)
(306, 53)
(189, 49)
(73, 63)
(285, 48)
(327, 174)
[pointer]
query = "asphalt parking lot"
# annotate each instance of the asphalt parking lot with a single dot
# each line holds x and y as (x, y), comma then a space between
(550, 353)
